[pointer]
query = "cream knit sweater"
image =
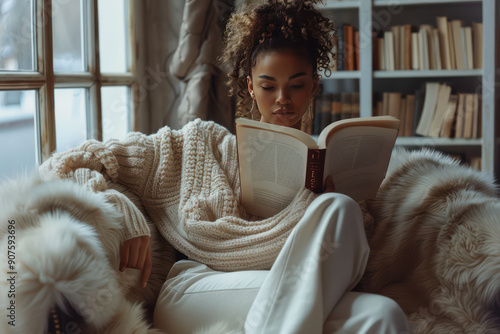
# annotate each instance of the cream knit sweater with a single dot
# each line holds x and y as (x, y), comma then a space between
(188, 182)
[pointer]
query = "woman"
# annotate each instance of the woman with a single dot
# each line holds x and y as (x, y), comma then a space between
(275, 50)
(290, 273)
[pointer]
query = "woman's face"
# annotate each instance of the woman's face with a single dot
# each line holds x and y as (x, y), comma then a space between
(283, 84)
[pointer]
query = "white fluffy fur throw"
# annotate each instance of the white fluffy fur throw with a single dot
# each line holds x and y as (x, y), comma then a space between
(435, 244)
(65, 247)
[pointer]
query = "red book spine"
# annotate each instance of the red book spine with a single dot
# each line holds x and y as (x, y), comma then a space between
(315, 169)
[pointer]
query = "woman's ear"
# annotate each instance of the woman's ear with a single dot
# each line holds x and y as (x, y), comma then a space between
(250, 86)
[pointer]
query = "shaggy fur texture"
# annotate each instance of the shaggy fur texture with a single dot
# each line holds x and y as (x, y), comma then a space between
(67, 250)
(435, 244)
(67, 242)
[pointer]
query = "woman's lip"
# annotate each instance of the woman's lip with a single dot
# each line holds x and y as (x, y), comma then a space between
(282, 111)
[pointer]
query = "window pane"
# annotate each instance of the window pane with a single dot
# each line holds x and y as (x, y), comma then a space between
(17, 133)
(113, 37)
(115, 112)
(68, 35)
(71, 118)
(16, 35)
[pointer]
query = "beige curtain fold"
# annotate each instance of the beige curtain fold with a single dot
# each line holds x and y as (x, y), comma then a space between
(183, 40)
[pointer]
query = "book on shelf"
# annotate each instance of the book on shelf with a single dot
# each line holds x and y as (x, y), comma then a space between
(434, 112)
(381, 54)
(477, 44)
(460, 117)
(436, 56)
(440, 110)
(449, 118)
(356, 50)
(419, 106)
(348, 47)
(467, 32)
(468, 114)
(276, 162)
(410, 110)
(444, 44)
(415, 50)
(389, 51)
(402, 116)
(456, 26)
(431, 95)
(450, 45)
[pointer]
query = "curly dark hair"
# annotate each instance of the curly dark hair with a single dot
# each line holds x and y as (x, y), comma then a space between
(276, 25)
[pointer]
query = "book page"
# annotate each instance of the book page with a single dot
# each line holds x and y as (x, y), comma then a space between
(272, 170)
(357, 159)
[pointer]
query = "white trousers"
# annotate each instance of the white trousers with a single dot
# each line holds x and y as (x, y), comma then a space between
(306, 290)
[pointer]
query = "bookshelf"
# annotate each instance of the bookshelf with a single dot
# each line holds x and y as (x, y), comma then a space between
(380, 15)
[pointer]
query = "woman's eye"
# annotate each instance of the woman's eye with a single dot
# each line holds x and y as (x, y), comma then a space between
(297, 86)
(267, 88)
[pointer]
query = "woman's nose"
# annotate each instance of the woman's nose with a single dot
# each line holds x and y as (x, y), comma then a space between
(282, 97)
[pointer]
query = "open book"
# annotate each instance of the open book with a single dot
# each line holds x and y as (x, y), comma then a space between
(276, 162)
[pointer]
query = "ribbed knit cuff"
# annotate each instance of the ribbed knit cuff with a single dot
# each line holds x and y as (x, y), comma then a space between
(133, 220)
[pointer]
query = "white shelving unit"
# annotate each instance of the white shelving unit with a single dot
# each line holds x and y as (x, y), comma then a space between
(363, 14)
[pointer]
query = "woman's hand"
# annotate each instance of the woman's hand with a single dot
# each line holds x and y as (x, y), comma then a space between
(330, 186)
(136, 253)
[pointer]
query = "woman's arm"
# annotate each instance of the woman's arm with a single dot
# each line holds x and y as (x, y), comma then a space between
(126, 162)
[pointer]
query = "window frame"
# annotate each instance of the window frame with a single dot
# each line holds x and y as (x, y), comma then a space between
(44, 80)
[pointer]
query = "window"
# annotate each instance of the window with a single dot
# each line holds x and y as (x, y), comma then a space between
(67, 74)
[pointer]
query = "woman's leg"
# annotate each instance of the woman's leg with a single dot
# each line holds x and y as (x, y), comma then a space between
(366, 313)
(324, 256)
(195, 296)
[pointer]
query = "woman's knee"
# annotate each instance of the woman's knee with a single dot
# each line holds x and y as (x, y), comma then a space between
(388, 317)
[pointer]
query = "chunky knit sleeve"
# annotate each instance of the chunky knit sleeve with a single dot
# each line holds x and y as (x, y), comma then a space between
(92, 163)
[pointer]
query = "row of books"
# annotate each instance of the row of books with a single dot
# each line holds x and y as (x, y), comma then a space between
(449, 46)
(434, 112)
(346, 49)
(329, 108)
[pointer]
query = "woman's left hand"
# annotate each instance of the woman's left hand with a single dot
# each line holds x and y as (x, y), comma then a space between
(330, 186)
(136, 253)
